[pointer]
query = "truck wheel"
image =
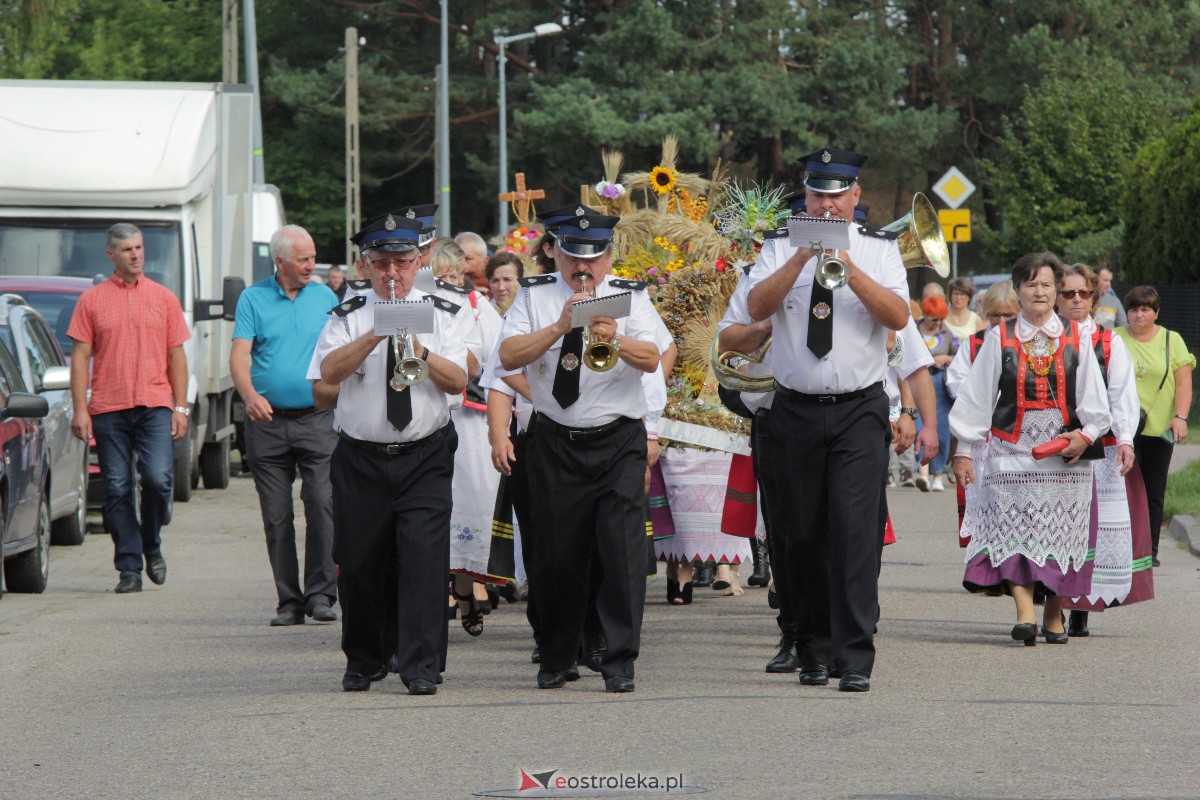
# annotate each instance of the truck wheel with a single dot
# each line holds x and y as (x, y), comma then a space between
(29, 572)
(214, 464)
(182, 480)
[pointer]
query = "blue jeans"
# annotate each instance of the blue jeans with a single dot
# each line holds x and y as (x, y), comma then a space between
(944, 404)
(120, 434)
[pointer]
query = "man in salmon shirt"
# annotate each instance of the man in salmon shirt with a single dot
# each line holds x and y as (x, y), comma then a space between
(134, 330)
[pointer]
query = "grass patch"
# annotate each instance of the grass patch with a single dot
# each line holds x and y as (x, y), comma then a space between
(1183, 492)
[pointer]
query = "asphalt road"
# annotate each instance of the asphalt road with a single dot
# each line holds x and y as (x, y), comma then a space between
(183, 691)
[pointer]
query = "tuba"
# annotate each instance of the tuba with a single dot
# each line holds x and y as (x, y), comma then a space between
(598, 356)
(410, 370)
(735, 379)
(921, 241)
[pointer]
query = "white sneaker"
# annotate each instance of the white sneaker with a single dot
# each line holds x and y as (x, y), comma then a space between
(937, 486)
(922, 483)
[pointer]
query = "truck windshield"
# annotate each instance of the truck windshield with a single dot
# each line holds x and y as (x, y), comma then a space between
(75, 247)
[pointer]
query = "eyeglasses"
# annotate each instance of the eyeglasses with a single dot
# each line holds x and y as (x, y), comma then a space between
(384, 263)
(1071, 294)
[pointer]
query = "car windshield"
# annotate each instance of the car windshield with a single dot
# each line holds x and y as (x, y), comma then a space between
(56, 308)
(75, 247)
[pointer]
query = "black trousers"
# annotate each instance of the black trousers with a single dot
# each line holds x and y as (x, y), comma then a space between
(391, 520)
(591, 514)
(764, 471)
(1154, 457)
(828, 462)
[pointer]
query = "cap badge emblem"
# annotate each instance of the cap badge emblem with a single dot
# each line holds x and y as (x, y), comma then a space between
(826, 157)
(411, 214)
(389, 224)
(821, 310)
(584, 224)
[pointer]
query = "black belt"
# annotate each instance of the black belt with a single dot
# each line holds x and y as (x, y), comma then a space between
(293, 413)
(582, 434)
(829, 399)
(393, 448)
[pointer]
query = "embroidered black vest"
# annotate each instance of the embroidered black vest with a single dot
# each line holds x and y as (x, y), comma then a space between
(1021, 388)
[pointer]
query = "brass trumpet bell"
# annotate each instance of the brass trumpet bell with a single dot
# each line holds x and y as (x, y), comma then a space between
(598, 356)
(832, 272)
(921, 241)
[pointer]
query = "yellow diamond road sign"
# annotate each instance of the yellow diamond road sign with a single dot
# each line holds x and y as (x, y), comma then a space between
(956, 224)
(954, 188)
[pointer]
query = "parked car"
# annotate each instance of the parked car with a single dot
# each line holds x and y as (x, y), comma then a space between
(46, 371)
(55, 297)
(24, 482)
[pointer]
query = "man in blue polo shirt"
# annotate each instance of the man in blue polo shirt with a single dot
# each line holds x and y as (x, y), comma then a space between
(278, 322)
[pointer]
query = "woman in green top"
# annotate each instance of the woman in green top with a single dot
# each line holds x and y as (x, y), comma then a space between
(1162, 366)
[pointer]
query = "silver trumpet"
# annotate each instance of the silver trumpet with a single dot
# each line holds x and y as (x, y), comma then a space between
(832, 272)
(410, 370)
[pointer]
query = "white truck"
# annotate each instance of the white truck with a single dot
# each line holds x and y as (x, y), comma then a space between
(175, 159)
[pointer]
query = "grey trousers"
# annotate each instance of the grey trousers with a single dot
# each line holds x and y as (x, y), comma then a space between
(277, 450)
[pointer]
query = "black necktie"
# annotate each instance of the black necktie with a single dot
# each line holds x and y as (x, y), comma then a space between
(820, 324)
(566, 377)
(399, 404)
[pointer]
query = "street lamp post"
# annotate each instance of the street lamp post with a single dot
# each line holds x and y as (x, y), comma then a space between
(502, 43)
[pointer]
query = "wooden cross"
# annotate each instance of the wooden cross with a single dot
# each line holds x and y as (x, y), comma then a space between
(522, 199)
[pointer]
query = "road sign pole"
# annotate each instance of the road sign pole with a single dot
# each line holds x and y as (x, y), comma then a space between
(954, 261)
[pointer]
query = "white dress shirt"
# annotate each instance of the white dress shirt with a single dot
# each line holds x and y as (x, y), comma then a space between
(603, 396)
(361, 410)
(859, 355)
(971, 417)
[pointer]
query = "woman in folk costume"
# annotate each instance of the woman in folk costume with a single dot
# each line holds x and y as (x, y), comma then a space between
(1033, 381)
(475, 480)
(1122, 570)
(997, 306)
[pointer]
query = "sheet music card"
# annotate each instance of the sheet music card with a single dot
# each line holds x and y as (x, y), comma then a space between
(809, 231)
(394, 316)
(611, 305)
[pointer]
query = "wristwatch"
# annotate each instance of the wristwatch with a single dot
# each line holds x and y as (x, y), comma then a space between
(616, 342)
(912, 412)
(183, 410)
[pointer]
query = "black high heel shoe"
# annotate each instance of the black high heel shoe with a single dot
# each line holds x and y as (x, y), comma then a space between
(1025, 632)
(685, 594)
(1079, 624)
(672, 591)
(1062, 637)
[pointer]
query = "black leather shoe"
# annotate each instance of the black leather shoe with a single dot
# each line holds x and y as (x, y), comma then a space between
(156, 568)
(814, 675)
(854, 682)
(1025, 632)
(786, 660)
(357, 682)
(703, 575)
(321, 612)
(1078, 625)
(618, 684)
(287, 617)
(130, 582)
(571, 673)
(1055, 638)
(421, 686)
(552, 679)
(536, 655)
(593, 651)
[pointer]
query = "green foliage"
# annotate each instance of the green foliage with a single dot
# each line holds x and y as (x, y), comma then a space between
(1097, 249)
(1059, 164)
(1162, 241)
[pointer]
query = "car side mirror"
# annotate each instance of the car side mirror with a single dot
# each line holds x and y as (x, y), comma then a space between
(23, 404)
(56, 378)
(225, 308)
